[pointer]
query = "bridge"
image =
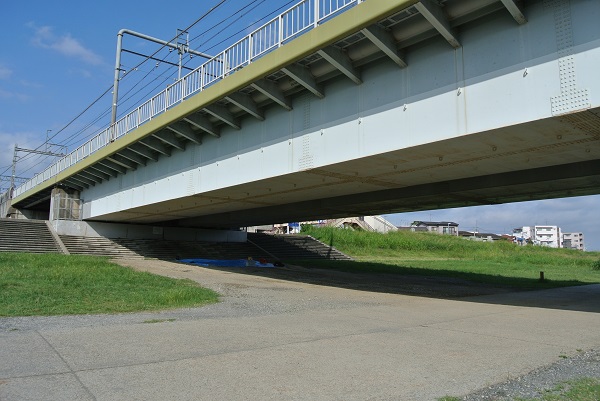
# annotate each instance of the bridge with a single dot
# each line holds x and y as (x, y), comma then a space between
(340, 108)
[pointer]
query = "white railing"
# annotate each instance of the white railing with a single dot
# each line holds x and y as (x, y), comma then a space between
(295, 21)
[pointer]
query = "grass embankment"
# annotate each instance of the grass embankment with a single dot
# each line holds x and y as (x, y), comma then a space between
(70, 285)
(431, 254)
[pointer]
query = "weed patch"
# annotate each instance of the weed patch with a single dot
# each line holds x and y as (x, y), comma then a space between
(74, 284)
(430, 254)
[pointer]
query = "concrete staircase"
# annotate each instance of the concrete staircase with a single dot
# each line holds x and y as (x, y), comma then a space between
(97, 246)
(32, 236)
(290, 247)
(35, 236)
(159, 249)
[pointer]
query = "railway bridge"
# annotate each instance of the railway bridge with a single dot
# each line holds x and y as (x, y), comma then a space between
(340, 108)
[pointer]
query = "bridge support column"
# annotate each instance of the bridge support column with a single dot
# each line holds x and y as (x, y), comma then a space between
(5, 208)
(65, 204)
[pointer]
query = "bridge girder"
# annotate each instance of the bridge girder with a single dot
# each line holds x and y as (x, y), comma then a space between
(392, 36)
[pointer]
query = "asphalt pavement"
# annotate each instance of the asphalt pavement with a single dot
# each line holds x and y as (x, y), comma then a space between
(278, 339)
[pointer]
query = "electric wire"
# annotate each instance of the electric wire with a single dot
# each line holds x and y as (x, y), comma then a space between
(242, 30)
(139, 64)
(124, 99)
(108, 90)
(71, 138)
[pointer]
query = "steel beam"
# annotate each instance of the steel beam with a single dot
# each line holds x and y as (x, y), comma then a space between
(142, 151)
(272, 91)
(95, 175)
(303, 76)
(104, 169)
(514, 10)
(198, 121)
(91, 177)
(385, 42)
(82, 180)
(246, 103)
(156, 145)
(118, 163)
(340, 60)
(223, 114)
(128, 159)
(436, 17)
(77, 186)
(169, 138)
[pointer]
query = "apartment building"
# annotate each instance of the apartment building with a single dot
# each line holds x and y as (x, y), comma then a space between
(539, 235)
(573, 241)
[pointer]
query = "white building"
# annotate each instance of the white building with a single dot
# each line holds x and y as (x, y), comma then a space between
(539, 235)
(573, 241)
(523, 235)
(548, 236)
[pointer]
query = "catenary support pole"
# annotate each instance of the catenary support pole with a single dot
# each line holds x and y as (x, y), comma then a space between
(182, 49)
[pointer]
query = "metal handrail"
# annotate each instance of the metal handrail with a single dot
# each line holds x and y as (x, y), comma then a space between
(295, 21)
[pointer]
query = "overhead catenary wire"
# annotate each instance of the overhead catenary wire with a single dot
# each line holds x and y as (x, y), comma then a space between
(110, 88)
(131, 94)
(151, 57)
(139, 64)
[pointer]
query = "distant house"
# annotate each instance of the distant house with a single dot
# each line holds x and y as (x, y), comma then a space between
(484, 237)
(440, 227)
(523, 235)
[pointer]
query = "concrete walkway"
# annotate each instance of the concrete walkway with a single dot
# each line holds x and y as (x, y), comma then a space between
(280, 340)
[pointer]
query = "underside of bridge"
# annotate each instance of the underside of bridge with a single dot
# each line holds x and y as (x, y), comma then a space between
(261, 145)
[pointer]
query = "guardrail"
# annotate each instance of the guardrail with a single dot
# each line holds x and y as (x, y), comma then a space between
(295, 21)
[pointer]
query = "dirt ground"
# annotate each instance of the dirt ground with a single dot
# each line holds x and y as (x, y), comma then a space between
(436, 287)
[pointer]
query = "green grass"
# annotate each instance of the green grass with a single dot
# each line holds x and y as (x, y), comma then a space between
(501, 263)
(585, 389)
(70, 285)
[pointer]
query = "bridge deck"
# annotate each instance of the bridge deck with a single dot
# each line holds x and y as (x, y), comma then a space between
(490, 151)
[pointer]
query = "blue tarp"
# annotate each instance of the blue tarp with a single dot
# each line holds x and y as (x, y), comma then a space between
(226, 263)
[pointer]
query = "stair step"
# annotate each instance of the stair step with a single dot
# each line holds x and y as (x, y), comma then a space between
(19, 235)
(289, 247)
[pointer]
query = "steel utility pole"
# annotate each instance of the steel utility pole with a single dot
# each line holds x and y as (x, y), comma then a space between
(13, 176)
(181, 48)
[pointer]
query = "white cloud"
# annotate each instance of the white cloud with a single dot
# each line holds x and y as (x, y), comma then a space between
(81, 72)
(7, 95)
(30, 84)
(64, 44)
(8, 142)
(5, 72)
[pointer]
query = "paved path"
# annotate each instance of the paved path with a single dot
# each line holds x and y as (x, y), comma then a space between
(272, 339)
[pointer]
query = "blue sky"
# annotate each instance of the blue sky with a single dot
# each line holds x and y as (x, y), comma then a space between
(56, 58)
